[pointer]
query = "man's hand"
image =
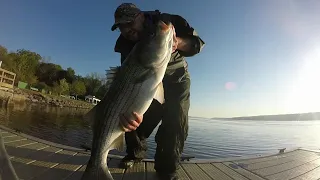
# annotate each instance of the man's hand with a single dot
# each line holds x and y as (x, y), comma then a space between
(131, 124)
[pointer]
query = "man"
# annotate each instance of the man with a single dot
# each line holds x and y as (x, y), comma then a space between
(173, 130)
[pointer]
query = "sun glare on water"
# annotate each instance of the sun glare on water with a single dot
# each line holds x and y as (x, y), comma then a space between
(305, 94)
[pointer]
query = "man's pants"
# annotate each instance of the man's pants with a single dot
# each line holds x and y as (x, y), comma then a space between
(172, 132)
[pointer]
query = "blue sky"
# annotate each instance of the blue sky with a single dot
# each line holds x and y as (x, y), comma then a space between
(260, 57)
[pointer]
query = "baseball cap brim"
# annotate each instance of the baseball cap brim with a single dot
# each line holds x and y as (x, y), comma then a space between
(116, 25)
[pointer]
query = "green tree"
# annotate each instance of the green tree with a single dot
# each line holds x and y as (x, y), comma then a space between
(64, 86)
(42, 85)
(22, 62)
(30, 59)
(3, 54)
(102, 91)
(48, 73)
(56, 89)
(93, 83)
(70, 75)
(78, 88)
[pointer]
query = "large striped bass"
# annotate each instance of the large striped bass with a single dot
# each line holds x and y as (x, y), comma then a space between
(137, 82)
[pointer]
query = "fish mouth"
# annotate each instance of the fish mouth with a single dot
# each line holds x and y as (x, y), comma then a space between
(165, 26)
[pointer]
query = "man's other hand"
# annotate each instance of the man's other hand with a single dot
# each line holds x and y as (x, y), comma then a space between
(131, 124)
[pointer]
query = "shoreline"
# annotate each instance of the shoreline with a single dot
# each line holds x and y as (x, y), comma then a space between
(16, 95)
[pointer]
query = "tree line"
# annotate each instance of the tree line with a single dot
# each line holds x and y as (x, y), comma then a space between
(32, 68)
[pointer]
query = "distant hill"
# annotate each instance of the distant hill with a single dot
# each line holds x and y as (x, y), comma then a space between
(282, 117)
(216, 118)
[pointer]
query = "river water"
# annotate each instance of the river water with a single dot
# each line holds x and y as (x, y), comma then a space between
(207, 138)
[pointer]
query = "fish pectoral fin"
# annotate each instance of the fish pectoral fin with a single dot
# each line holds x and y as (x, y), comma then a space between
(118, 143)
(159, 96)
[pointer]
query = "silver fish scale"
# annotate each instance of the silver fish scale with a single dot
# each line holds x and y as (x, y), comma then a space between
(120, 96)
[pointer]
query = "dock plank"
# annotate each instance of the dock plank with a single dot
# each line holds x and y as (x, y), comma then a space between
(116, 172)
(268, 158)
(43, 163)
(295, 172)
(7, 134)
(229, 171)
(195, 172)
(150, 171)
(21, 152)
(3, 132)
(279, 161)
(65, 169)
(20, 155)
(54, 160)
(40, 155)
(6, 169)
(311, 175)
(77, 174)
(182, 174)
(214, 172)
(137, 172)
(21, 143)
(242, 171)
(283, 167)
(13, 139)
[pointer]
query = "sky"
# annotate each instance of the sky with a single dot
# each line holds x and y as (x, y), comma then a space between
(260, 57)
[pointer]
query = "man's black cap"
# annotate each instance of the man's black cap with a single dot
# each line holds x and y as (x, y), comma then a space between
(125, 13)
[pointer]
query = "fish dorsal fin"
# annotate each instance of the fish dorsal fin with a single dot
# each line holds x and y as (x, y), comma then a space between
(118, 143)
(111, 76)
(159, 96)
(111, 73)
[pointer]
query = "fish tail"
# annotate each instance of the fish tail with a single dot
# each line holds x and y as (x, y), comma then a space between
(98, 171)
(101, 173)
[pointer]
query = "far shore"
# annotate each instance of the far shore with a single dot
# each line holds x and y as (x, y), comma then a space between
(17, 95)
(278, 117)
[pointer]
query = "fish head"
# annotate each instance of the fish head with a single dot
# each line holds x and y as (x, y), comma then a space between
(155, 48)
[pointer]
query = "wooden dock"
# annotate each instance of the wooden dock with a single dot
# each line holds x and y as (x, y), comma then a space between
(35, 159)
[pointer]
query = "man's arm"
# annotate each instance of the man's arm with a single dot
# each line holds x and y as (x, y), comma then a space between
(189, 42)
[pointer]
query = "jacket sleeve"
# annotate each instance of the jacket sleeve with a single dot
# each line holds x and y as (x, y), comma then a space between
(184, 30)
(123, 57)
